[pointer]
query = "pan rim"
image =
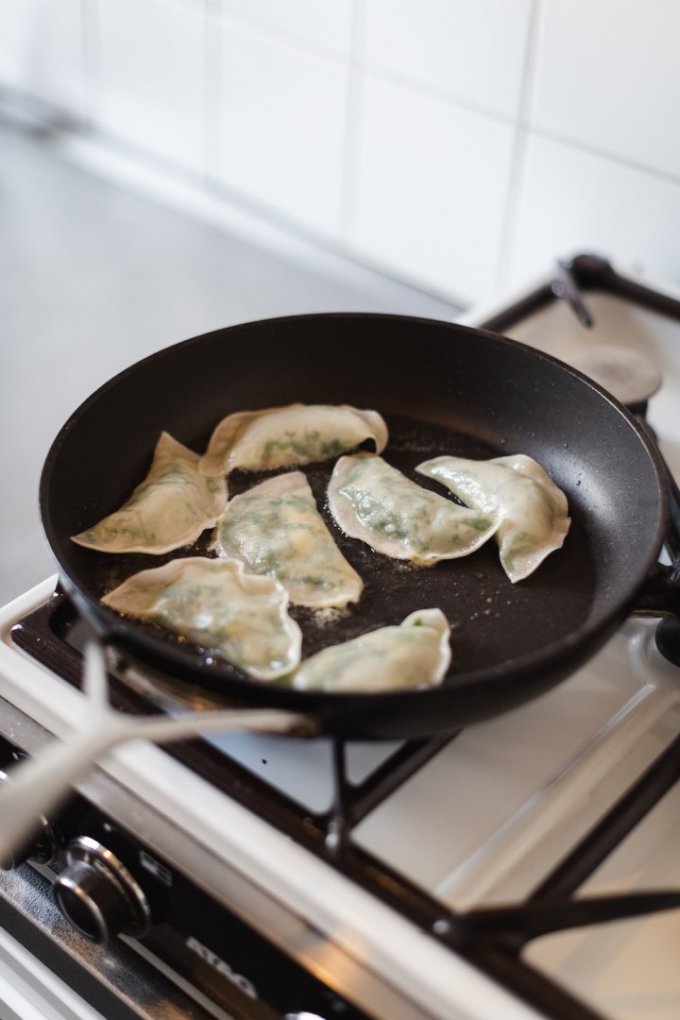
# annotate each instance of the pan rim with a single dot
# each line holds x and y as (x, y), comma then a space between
(595, 624)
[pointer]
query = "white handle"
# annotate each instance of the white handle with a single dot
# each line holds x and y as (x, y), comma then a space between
(36, 787)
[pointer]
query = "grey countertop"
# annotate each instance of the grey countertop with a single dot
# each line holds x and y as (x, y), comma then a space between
(94, 277)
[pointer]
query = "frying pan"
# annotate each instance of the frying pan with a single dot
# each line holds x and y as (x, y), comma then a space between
(442, 388)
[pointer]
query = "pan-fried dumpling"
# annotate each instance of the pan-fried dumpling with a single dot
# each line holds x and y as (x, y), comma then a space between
(532, 510)
(278, 437)
(169, 509)
(276, 529)
(414, 654)
(238, 616)
(374, 502)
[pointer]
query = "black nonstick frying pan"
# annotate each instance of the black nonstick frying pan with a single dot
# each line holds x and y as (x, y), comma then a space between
(443, 389)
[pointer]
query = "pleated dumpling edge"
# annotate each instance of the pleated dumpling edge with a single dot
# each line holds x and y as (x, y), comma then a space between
(531, 509)
(169, 508)
(412, 655)
(378, 504)
(216, 603)
(295, 434)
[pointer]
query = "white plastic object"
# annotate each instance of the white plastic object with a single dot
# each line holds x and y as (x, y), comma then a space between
(37, 786)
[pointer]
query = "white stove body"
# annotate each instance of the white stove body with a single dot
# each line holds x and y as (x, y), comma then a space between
(479, 824)
(280, 887)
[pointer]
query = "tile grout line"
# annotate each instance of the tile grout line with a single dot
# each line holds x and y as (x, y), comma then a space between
(348, 212)
(441, 95)
(212, 97)
(357, 70)
(353, 123)
(90, 15)
(421, 88)
(592, 150)
(255, 27)
(519, 145)
(520, 122)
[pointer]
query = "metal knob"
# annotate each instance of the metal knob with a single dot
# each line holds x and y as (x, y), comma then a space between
(98, 895)
(302, 1016)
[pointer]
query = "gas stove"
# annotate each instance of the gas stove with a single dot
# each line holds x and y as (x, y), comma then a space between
(525, 867)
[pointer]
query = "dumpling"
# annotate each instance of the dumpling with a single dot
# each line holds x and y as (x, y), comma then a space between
(169, 509)
(278, 437)
(532, 510)
(238, 616)
(276, 529)
(414, 654)
(374, 502)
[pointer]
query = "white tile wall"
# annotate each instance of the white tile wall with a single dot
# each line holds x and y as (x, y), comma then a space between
(608, 76)
(456, 145)
(42, 51)
(473, 52)
(17, 31)
(574, 200)
(151, 77)
(326, 24)
(281, 130)
(431, 188)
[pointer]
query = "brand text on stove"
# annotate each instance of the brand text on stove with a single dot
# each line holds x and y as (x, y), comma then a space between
(222, 967)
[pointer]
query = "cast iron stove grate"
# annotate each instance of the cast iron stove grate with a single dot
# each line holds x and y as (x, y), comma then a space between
(490, 938)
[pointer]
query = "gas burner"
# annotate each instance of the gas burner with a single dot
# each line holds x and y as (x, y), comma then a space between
(629, 375)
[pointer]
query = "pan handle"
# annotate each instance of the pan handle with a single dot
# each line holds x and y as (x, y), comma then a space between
(660, 593)
(672, 541)
(673, 536)
(37, 786)
(660, 596)
(667, 634)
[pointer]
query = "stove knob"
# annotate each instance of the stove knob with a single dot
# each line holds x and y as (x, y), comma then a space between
(98, 895)
(43, 847)
(302, 1016)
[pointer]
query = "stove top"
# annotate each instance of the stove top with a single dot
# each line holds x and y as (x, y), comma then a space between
(491, 873)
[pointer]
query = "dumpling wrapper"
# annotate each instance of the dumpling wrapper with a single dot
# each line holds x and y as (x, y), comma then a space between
(276, 529)
(415, 654)
(238, 616)
(168, 510)
(278, 437)
(376, 503)
(532, 510)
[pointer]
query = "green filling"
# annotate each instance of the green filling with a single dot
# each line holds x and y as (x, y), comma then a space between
(307, 447)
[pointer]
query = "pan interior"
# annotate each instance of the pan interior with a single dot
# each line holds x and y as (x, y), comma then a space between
(443, 389)
(492, 620)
